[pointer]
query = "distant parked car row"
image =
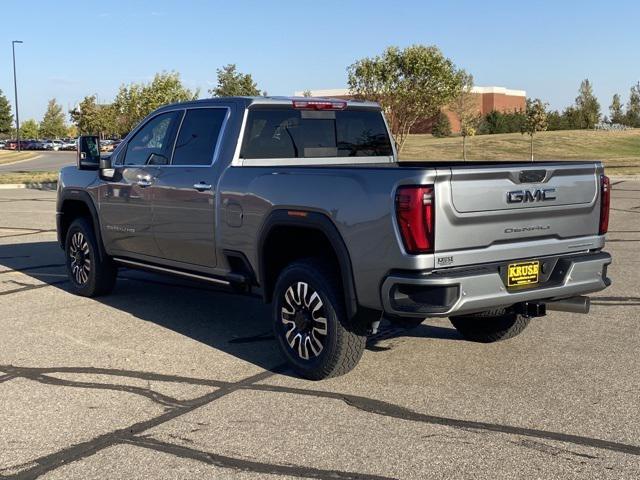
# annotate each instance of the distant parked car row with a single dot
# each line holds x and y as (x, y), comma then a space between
(109, 145)
(54, 145)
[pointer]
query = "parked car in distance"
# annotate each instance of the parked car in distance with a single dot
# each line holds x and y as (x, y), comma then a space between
(54, 145)
(106, 145)
(68, 144)
(3, 144)
(304, 203)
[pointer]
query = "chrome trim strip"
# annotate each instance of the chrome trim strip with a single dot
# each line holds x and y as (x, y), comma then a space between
(237, 161)
(310, 162)
(172, 271)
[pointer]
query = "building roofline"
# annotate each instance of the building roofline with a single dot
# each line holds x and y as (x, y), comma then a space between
(342, 92)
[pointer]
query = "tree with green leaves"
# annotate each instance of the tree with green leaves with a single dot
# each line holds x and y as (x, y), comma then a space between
(92, 118)
(409, 84)
(467, 108)
(232, 83)
(587, 105)
(535, 120)
(53, 124)
(29, 129)
(135, 101)
(6, 117)
(615, 110)
(441, 126)
(633, 107)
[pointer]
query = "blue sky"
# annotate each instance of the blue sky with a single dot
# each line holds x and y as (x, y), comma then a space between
(76, 48)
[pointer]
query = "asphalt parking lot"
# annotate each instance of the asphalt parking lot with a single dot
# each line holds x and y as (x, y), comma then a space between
(44, 161)
(167, 379)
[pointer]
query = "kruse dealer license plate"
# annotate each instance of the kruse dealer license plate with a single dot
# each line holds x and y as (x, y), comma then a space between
(523, 273)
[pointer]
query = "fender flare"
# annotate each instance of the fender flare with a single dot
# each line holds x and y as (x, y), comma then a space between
(317, 221)
(74, 195)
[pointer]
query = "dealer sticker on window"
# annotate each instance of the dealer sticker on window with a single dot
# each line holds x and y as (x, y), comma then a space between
(523, 273)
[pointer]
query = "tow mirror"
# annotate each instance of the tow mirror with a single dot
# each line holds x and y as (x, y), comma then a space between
(88, 152)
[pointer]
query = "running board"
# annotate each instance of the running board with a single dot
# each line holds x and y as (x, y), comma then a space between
(233, 278)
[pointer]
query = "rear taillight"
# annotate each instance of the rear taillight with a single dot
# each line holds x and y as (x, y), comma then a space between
(319, 104)
(605, 202)
(416, 217)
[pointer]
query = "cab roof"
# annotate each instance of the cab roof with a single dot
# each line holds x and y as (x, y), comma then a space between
(274, 100)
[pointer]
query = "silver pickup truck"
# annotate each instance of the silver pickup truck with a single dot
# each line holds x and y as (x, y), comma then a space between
(302, 201)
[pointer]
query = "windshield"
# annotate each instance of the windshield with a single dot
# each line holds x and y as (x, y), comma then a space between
(290, 133)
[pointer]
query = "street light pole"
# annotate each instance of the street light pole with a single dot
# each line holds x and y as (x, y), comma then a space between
(15, 90)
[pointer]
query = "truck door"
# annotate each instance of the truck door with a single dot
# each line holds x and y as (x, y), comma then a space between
(126, 203)
(184, 192)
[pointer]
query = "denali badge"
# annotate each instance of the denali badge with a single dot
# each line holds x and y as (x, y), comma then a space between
(531, 228)
(527, 196)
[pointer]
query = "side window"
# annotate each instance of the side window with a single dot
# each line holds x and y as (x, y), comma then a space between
(153, 143)
(198, 136)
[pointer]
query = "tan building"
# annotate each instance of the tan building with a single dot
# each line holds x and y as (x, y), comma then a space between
(489, 99)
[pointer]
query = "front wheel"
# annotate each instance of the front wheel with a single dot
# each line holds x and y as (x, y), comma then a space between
(89, 274)
(490, 326)
(310, 322)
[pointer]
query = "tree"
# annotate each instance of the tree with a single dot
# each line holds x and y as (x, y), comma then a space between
(92, 118)
(409, 84)
(306, 93)
(615, 109)
(52, 124)
(6, 117)
(29, 129)
(442, 126)
(72, 131)
(587, 105)
(135, 101)
(232, 83)
(465, 106)
(501, 122)
(535, 119)
(633, 107)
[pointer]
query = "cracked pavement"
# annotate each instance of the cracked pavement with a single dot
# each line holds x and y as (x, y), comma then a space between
(170, 379)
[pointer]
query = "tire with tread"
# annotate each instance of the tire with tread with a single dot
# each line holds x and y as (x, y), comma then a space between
(344, 342)
(102, 273)
(490, 326)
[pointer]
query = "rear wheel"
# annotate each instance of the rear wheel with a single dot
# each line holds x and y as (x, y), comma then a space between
(90, 275)
(310, 322)
(490, 326)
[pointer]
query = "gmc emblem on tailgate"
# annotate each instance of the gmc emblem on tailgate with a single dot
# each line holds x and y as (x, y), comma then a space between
(530, 196)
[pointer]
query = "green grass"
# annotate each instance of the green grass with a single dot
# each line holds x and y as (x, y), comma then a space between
(620, 151)
(30, 178)
(8, 156)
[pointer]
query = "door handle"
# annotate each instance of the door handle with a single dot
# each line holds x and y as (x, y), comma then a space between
(144, 180)
(201, 187)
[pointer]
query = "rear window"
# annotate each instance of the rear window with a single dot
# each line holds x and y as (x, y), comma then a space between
(289, 133)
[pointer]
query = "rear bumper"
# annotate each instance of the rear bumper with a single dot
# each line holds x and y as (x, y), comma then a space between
(465, 291)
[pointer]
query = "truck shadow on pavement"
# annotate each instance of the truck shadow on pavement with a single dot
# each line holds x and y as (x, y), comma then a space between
(237, 324)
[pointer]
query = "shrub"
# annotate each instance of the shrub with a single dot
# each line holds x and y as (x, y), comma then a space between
(442, 126)
(501, 122)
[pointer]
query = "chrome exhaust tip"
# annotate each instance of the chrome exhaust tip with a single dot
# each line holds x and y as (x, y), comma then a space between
(579, 304)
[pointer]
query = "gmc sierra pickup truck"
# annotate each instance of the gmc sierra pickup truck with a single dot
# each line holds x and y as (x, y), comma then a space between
(302, 201)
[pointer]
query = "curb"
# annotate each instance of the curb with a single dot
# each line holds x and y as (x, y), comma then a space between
(35, 186)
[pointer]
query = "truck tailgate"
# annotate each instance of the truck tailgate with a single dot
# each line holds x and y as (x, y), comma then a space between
(512, 211)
